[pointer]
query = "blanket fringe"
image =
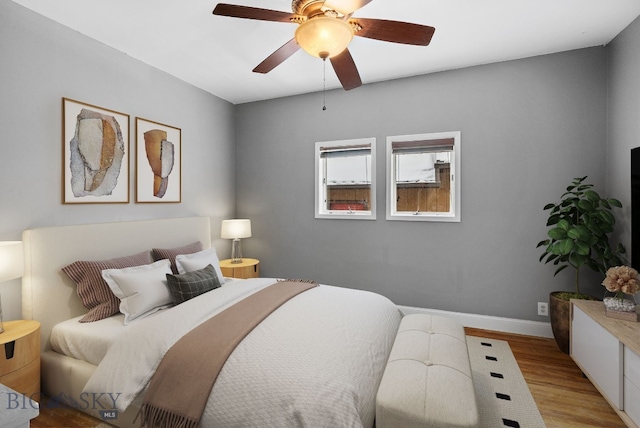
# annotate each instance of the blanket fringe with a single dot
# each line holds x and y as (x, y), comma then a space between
(155, 417)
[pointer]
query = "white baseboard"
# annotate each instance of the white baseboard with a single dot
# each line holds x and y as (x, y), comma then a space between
(486, 322)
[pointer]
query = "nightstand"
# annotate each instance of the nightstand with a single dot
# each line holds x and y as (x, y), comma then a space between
(248, 268)
(20, 357)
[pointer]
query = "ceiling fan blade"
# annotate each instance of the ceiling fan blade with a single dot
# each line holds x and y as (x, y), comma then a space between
(346, 70)
(278, 57)
(345, 7)
(394, 31)
(248, 12)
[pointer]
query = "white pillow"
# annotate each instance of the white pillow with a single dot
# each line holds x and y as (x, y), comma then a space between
(200, 260)
(142, 290)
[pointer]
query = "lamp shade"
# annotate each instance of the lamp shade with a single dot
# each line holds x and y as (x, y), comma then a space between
(235, 229)
(11, 260)
(324, 37)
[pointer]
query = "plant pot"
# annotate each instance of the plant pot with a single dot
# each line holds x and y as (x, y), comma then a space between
(560, 320)
(559, 314)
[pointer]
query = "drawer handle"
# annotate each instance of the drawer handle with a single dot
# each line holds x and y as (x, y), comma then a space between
(9, 348)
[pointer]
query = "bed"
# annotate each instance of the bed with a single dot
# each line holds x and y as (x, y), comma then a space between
(315, 361)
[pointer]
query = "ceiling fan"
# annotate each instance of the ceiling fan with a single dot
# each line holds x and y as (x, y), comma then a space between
(325, 29)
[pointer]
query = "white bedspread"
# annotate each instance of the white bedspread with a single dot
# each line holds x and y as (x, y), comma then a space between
(315, 362)
(87, 341)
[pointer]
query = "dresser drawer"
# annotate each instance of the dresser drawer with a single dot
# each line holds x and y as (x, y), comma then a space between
(631, 400)
(18, 353)
(632, 367)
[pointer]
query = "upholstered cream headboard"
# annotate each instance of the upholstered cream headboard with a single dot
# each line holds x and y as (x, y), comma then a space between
(49, 296)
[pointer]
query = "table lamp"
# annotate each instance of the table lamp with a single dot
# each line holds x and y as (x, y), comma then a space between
(11, 265)
(236, 229)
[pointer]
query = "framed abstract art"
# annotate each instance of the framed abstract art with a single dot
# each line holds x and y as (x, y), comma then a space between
(95, 146)
(158, 162)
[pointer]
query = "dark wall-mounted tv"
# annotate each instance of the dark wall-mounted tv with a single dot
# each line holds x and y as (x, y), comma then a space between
(635, 208)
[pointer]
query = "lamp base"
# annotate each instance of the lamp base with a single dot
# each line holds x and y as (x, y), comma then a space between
(236, 251)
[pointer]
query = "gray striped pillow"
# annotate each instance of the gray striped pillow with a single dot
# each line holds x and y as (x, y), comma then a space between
(93, 290)
(191, 284)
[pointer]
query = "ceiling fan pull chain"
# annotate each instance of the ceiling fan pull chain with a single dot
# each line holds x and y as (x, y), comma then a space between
(324, 84)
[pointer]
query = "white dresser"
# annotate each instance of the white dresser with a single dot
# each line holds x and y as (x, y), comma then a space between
(607, 350)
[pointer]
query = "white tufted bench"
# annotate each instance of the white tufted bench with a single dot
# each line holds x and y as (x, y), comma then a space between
(427, 381)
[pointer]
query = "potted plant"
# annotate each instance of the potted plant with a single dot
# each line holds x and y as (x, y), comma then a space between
(578, 235)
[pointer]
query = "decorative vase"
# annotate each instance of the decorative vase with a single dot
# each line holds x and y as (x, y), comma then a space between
(620, 306)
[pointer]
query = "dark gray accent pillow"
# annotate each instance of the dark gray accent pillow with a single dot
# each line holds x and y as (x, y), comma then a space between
(171, 253)
(191, 284)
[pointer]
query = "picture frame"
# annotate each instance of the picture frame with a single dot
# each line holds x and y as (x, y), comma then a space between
(158, 162)
(95, 154)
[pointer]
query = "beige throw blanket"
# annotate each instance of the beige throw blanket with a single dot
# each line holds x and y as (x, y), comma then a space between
(179, 389)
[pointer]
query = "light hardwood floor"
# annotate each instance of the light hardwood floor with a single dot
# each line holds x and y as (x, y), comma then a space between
(566, 398)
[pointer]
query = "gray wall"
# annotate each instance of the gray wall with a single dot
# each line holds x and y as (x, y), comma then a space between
(41, 62)
(623, 131)
(528, 127)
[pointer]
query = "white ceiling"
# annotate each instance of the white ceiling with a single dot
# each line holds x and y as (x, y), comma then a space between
(217, 53)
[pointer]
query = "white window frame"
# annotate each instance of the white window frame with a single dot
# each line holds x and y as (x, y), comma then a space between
(320, 188)
(454, 214)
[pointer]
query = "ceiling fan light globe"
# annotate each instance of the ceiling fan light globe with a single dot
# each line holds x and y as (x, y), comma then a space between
(324, 37)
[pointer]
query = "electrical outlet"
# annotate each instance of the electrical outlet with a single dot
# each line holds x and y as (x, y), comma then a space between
(543, 309)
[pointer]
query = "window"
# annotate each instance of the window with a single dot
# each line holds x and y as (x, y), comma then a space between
(345, 179)
(423, 177)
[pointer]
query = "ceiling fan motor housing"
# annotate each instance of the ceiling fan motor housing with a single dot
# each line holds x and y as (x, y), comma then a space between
(307, 7)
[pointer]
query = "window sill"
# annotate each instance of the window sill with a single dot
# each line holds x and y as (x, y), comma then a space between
(451, 218)
(354, 215)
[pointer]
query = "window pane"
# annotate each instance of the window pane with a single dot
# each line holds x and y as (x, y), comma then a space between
(345, 179)
(349, 183)
(349, 170)
(421, 177)
(422, 182)
(432, 193)
(419, 167)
